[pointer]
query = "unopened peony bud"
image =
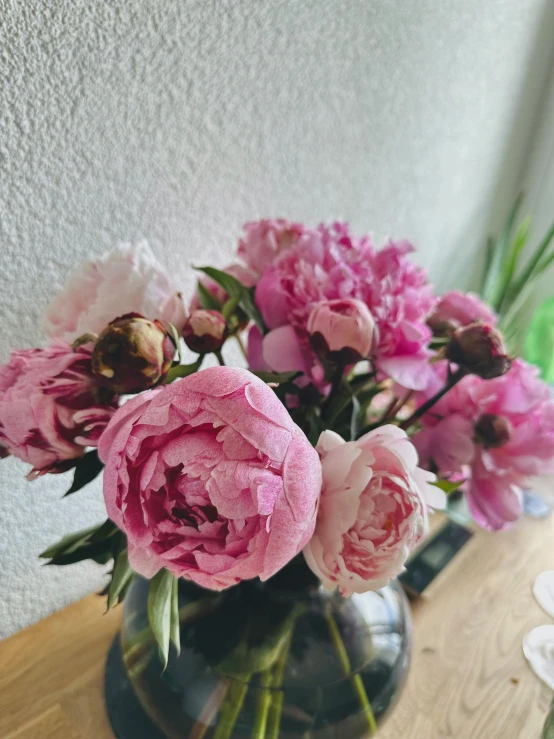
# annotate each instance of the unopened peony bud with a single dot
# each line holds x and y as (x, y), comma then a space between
(479, 350)
(492, 431)
(133, 354)
(341, 329)
(205, 331)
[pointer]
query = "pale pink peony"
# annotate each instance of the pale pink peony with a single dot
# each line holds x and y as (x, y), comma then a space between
(128, 279)
(210, 478)
(343, 325)
(373, 509)
(460, 309)
(51, 406)
(328, 264)
(263, 241)
(453, 442)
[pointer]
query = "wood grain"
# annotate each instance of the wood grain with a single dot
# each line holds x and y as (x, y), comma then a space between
(469, 679)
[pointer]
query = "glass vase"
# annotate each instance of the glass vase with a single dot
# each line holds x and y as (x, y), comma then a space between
(265, 660)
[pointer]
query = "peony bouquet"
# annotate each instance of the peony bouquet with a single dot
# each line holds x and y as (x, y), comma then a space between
(366, 400)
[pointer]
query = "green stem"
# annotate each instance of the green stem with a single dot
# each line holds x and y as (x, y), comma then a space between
(274, 718)
(220, 358)
(231, 708)
(452, 380)
(357, 682)
(264, 703)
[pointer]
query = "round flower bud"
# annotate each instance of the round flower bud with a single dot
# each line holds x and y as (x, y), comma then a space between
(205, 331)
(492, 431)
(133, 354)
(479, 350)
(341, 330)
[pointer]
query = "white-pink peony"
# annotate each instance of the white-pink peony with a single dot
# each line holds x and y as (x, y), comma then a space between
(128, 279)
(373, 509)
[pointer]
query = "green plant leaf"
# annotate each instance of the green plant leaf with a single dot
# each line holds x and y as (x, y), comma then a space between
(236, 290)
(183, 370)
(207, 299)
(175, 634)
(539, 342)
(447, 486)
(489, 253)
(230, 307)
(121, 576)
(97, 543)
(512, 260)
(534, 265)
(160, 610)
(87, 468)
(493, 287)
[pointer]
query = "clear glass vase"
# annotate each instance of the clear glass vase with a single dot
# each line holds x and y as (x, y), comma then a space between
(265, 660)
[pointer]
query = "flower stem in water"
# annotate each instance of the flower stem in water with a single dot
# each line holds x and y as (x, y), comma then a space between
(356, 679)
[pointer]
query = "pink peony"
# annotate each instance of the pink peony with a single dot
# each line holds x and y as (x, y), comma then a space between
(265, 240)
(205, 331)
(328, 264)
(126, 280)
(496, 433)
(373, 509)
(51, 406)
(342, 327)
(210, 478)
(456, 309)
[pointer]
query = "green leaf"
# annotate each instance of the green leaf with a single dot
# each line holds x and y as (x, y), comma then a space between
(175, 634)
(121, 576)
(493, 288)
(277, 377)
(447, 486)
(68, 542)
(87, 468)
(510, 266)
(489, 252)
(536, 264)
(160, 610)
(183, 370)
(539, 342)
(207, 300)
(236, 290)
(97, 543)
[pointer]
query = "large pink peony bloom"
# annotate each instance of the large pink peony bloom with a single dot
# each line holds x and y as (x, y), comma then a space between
(373, 509)
(327, 264)
(51, 406)
(495, 433)
(210, 478)
(126, 280)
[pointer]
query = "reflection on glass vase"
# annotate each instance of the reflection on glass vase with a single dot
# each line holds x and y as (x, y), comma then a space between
(265, 660)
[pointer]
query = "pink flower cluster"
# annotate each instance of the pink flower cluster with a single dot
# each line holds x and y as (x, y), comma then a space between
(51, 407)
(328, 263)
(495, 434)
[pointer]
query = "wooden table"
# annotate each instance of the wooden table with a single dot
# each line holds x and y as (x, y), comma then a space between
(468, 680)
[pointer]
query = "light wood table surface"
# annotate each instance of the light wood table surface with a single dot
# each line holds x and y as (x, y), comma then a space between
(468, 680)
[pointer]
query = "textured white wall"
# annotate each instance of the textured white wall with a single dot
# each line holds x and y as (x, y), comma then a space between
(181, 119)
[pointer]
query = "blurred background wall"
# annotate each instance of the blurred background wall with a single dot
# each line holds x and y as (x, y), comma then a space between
(179, 120)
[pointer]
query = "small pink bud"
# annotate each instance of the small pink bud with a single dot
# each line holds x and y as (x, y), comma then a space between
(132, 354)
(341, 329)
(492, 431)
(205, 331)
(479, 349)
